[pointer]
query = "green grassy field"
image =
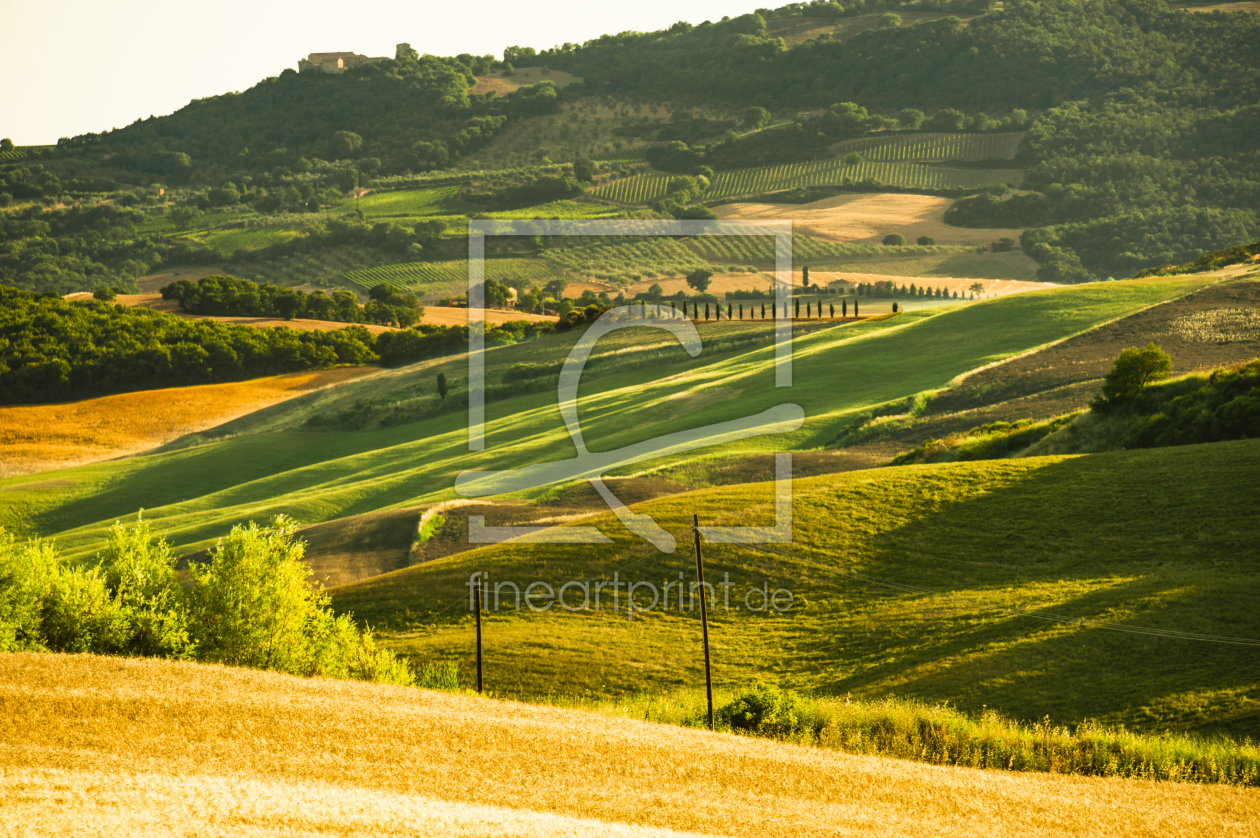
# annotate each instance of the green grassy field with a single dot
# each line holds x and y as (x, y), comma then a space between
(933, 147)
(195, 495)
(227, 242)
(1172, 551)
(439, 200)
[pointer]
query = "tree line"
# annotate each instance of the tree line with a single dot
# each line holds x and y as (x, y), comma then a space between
(227, 296)
(60, 350)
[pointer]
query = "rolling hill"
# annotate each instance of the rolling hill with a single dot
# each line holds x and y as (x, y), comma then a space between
(133, 746)
(195, 494)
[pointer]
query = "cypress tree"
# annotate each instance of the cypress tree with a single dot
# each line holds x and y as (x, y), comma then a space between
(728, 311)
(855, 307)
(741, 311)
(797, 314)
(706, 311)
(833, 311)
(844, 308)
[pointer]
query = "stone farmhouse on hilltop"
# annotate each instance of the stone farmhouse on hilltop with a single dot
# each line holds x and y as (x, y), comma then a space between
(339, 62)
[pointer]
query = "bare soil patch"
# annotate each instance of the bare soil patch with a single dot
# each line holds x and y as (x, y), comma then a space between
(866, 219)
(502, 85)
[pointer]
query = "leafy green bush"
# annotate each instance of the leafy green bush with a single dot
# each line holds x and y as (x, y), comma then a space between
(251, 605)
(766, 710)
(1131, 372)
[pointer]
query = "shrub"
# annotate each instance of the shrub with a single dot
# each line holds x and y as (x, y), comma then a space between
(767, 710)
(252, 605)
(1131, 372)
(925, 240)
(28, 573)
(894, 240)
(139, 574)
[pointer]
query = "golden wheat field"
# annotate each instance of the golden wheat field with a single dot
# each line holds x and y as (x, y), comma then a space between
(868, 218)
(455, 316)
(124, 746)
(38, 438)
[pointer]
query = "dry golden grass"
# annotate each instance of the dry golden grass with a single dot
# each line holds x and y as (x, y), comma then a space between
(449, 316)
(867, 219)
(38, 438)
(124, 746)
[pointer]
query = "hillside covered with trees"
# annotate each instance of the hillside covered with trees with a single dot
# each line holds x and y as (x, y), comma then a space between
(1140, 149)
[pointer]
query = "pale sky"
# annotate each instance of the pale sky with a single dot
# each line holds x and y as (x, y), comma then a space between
(75, 66)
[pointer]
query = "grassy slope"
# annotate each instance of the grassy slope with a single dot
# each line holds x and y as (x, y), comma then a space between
(195, 495)
(115, 746)
(1159, 538)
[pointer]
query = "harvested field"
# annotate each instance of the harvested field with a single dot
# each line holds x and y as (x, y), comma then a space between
(868, 218)
(128, 746)
(458, 316)
(39, 438)
(720, 284)
(951, 284)
(1088, 357)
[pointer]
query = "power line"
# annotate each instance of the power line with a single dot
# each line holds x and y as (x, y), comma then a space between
(1021, 612)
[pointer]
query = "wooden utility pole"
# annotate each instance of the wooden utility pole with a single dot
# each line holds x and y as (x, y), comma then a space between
(479, 635)
(704, 619)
